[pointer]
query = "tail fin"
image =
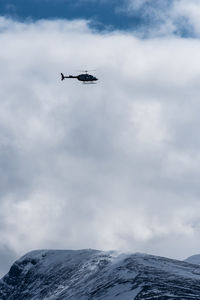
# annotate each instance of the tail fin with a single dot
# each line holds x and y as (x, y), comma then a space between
(62, 76)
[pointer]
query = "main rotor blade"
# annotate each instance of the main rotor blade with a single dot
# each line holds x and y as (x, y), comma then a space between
(86, 71)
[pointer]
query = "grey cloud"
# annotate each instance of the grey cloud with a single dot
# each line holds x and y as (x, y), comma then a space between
(7, 257)
(112, 165)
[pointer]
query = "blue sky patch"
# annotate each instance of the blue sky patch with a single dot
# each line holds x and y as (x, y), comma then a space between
(110, 15)
(103, 14)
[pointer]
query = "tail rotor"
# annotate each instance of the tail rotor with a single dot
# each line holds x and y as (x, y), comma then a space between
(62, 76)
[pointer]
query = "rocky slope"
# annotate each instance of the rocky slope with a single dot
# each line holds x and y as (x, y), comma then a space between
(91, 275)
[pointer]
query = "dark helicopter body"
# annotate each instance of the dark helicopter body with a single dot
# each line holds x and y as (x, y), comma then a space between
(87, 78)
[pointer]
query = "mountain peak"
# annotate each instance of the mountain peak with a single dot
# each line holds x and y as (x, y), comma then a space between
(194, 259)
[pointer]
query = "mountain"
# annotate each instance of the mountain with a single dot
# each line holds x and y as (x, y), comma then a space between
(194, 259)
(97, 275)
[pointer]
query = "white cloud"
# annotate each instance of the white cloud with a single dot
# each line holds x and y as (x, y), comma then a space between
(190, 10)
(166, 17)
(111, 165)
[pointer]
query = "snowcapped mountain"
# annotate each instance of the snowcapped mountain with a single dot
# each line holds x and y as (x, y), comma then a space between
(194, 259)
(97, 275)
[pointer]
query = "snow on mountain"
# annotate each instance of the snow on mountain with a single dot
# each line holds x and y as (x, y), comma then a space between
(97, 275)
(194, 259)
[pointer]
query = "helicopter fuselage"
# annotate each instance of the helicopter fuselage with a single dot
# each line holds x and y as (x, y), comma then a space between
(82, 77)
(86, 77)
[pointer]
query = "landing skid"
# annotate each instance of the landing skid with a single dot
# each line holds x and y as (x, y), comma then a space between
(87, 82)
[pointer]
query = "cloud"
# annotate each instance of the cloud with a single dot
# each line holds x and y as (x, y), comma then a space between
(147, 18)
(161, 18)
(7, 257)
(188, 11)
(110, 166)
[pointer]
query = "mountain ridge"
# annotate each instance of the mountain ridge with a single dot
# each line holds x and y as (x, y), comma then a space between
(93, 274)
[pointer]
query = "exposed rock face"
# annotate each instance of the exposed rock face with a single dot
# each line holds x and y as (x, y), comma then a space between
(92, 275)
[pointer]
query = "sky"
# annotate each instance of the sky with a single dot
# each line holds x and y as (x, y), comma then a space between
(111, 166)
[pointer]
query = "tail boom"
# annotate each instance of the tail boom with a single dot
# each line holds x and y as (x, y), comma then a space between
(70, 76)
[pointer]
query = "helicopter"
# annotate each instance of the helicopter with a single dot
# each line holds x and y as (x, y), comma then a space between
(85, 78)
